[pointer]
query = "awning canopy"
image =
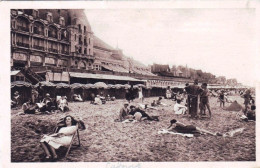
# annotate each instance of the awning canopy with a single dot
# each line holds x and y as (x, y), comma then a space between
(13, 73)
(102, 76)
(115, 68)
(77, 86)
(62, 85)
(20, 84)
(100, 85)
(46, 83)
(89, 85)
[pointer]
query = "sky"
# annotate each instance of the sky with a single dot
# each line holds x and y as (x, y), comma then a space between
(220, 41)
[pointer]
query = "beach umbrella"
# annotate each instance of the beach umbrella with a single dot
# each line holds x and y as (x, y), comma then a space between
(127, 86)
(149, 87)
(77, 86)
(140, 85)
(119, 86)
(20, 84)
(89, 85)
(110, 86)
(62, 85)
(45, 83)
(100, 85)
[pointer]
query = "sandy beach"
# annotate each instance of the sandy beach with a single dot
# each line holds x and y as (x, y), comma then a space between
(107, 141)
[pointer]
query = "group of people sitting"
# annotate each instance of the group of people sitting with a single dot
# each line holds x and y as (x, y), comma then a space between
(47, 105)
(100, 99)
(157, 102)
(134, 112)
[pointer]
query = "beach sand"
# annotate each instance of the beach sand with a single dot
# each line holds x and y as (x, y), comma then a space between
(106, 141)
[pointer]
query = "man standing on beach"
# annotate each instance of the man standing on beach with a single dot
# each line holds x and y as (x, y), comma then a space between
(193, 92)
(204, 100)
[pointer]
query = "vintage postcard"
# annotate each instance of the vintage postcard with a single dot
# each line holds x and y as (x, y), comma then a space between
(129, 84)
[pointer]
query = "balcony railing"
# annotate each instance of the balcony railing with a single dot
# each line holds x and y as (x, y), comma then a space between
(23, 44)
(38, 47)
(82, 55)
(23, 28)
(64, 52)
(53, 50)
(52, 35)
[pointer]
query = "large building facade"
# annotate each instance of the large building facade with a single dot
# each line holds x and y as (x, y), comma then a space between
(63, 38)
(59, 45)
(57, 38)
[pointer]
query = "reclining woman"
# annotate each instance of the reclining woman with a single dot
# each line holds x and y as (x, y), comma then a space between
(63, 137)
(139, 114)
(183, 128)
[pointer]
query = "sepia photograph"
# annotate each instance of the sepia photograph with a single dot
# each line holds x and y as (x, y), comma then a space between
(132, 85)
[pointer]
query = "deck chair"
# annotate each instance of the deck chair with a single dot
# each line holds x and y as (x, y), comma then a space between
(75, 135)
(71, 143)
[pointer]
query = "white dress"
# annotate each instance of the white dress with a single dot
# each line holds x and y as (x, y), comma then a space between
(140, 94)
(56, 142)
(179, 109)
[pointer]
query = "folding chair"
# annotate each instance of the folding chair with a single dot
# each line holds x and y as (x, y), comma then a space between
(73, 137)
(71, 143)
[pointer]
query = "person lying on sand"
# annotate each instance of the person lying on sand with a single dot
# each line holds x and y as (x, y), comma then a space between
(77, 98)
(182, 128)
(140, 114)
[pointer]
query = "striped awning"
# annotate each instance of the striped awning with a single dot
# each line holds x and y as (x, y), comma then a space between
(102, 76)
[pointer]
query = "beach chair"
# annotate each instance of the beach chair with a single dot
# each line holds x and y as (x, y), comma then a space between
(75, 136)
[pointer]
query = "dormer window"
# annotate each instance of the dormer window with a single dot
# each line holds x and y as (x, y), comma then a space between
(49, 17)
(61, 21)
(35, 13)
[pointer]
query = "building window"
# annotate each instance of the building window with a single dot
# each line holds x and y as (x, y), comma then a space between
(85, 51)
(80, 50)
(80, 42)
(84, 29)
(64, 35)
(22, 41)
(79, 28)
(85, 41)
(52, 32)
(22, 24)
(89, 52)
(38, 28)
(75, 37)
